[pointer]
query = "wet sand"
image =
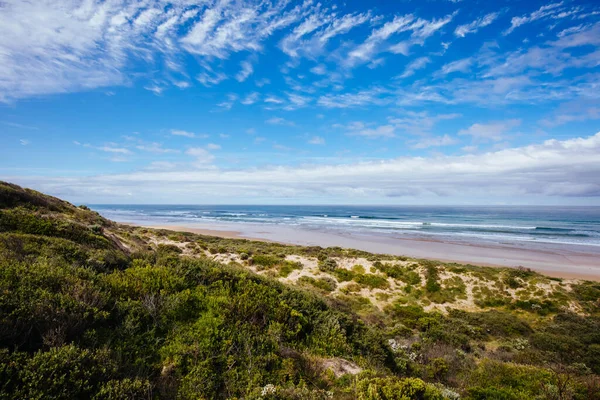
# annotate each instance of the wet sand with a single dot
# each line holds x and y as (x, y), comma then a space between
(564, 261)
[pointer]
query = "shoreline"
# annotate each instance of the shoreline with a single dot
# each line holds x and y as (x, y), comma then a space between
(553, 261)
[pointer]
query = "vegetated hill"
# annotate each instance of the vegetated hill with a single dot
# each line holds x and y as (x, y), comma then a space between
(93, 309)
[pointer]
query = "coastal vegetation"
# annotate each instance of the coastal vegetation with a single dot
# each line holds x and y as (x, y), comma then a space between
(94, 309)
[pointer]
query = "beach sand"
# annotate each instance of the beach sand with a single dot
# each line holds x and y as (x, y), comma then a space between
(572, 262)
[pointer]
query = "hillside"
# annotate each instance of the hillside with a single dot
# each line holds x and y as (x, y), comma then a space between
(93, 309)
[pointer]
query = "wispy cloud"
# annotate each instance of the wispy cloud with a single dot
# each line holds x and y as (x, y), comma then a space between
(542, 12)
(19, 126)
(112, 148)
(179, 132)
(463, 65)
(251, 98)
(415, 65)
(279, 121)
(419, 123)
(438, 141)
(246, 70)
(155, 148)
(359, 128)
(202, 156)
(473, 27)
(494, 131)
(316, 140)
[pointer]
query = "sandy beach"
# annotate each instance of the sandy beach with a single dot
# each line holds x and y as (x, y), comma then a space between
(564, 261)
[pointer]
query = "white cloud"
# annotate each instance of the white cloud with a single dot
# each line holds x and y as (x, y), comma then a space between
(383, 131)
(279, 121)
(495, 131)
(179, 132)
(209, 78)
(109, 149)
(542, 12)
(201, 154)
(374, 96)
(281, 147)
(419, 123)
(316, 140)
(227, 104)
(273, 99)
(234, 27)
(251, 98)
(155, 148)
(161, 165)
(438, 141)
(213, 146)
(463, 65)
(367, 50)
(319, 69)
(415, 65)
(245, 72)
(473, 27)
(311, 37)
(262, 82)
(24, 142)
(296, 101)
(550, 168)
(421, 30)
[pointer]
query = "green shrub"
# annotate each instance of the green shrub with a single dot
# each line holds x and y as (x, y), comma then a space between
(432, 285)
(327, 265)
(287, 267)
(372, 281)
(325, 284)
(125, 389)
(65, 373)
(358, 269)
(265, 260)
(391, 388)
(343, 275)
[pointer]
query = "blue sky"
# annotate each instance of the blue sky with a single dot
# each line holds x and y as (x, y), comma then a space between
(391, 102)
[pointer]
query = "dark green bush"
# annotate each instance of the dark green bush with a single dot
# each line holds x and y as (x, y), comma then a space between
(327, 265)
(372, 281)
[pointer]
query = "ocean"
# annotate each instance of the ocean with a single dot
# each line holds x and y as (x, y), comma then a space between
(496, 224)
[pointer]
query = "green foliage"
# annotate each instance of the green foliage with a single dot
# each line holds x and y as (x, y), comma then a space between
(403, 274)
(91, 309)
(392, 388)
(507, 381)
(324, 284)
(452, 289)
(327, 265)
(265, 260)
(23, 221)
(358, 269)
(125, 389)
(287, 267)
(343, 275)
(372, 281)
(495, 323)
(432, 284)
(64, 373)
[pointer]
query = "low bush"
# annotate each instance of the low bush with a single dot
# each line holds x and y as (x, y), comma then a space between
(372, 281)
(327, 265)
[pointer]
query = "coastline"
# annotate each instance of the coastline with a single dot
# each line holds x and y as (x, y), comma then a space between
(555, 261)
